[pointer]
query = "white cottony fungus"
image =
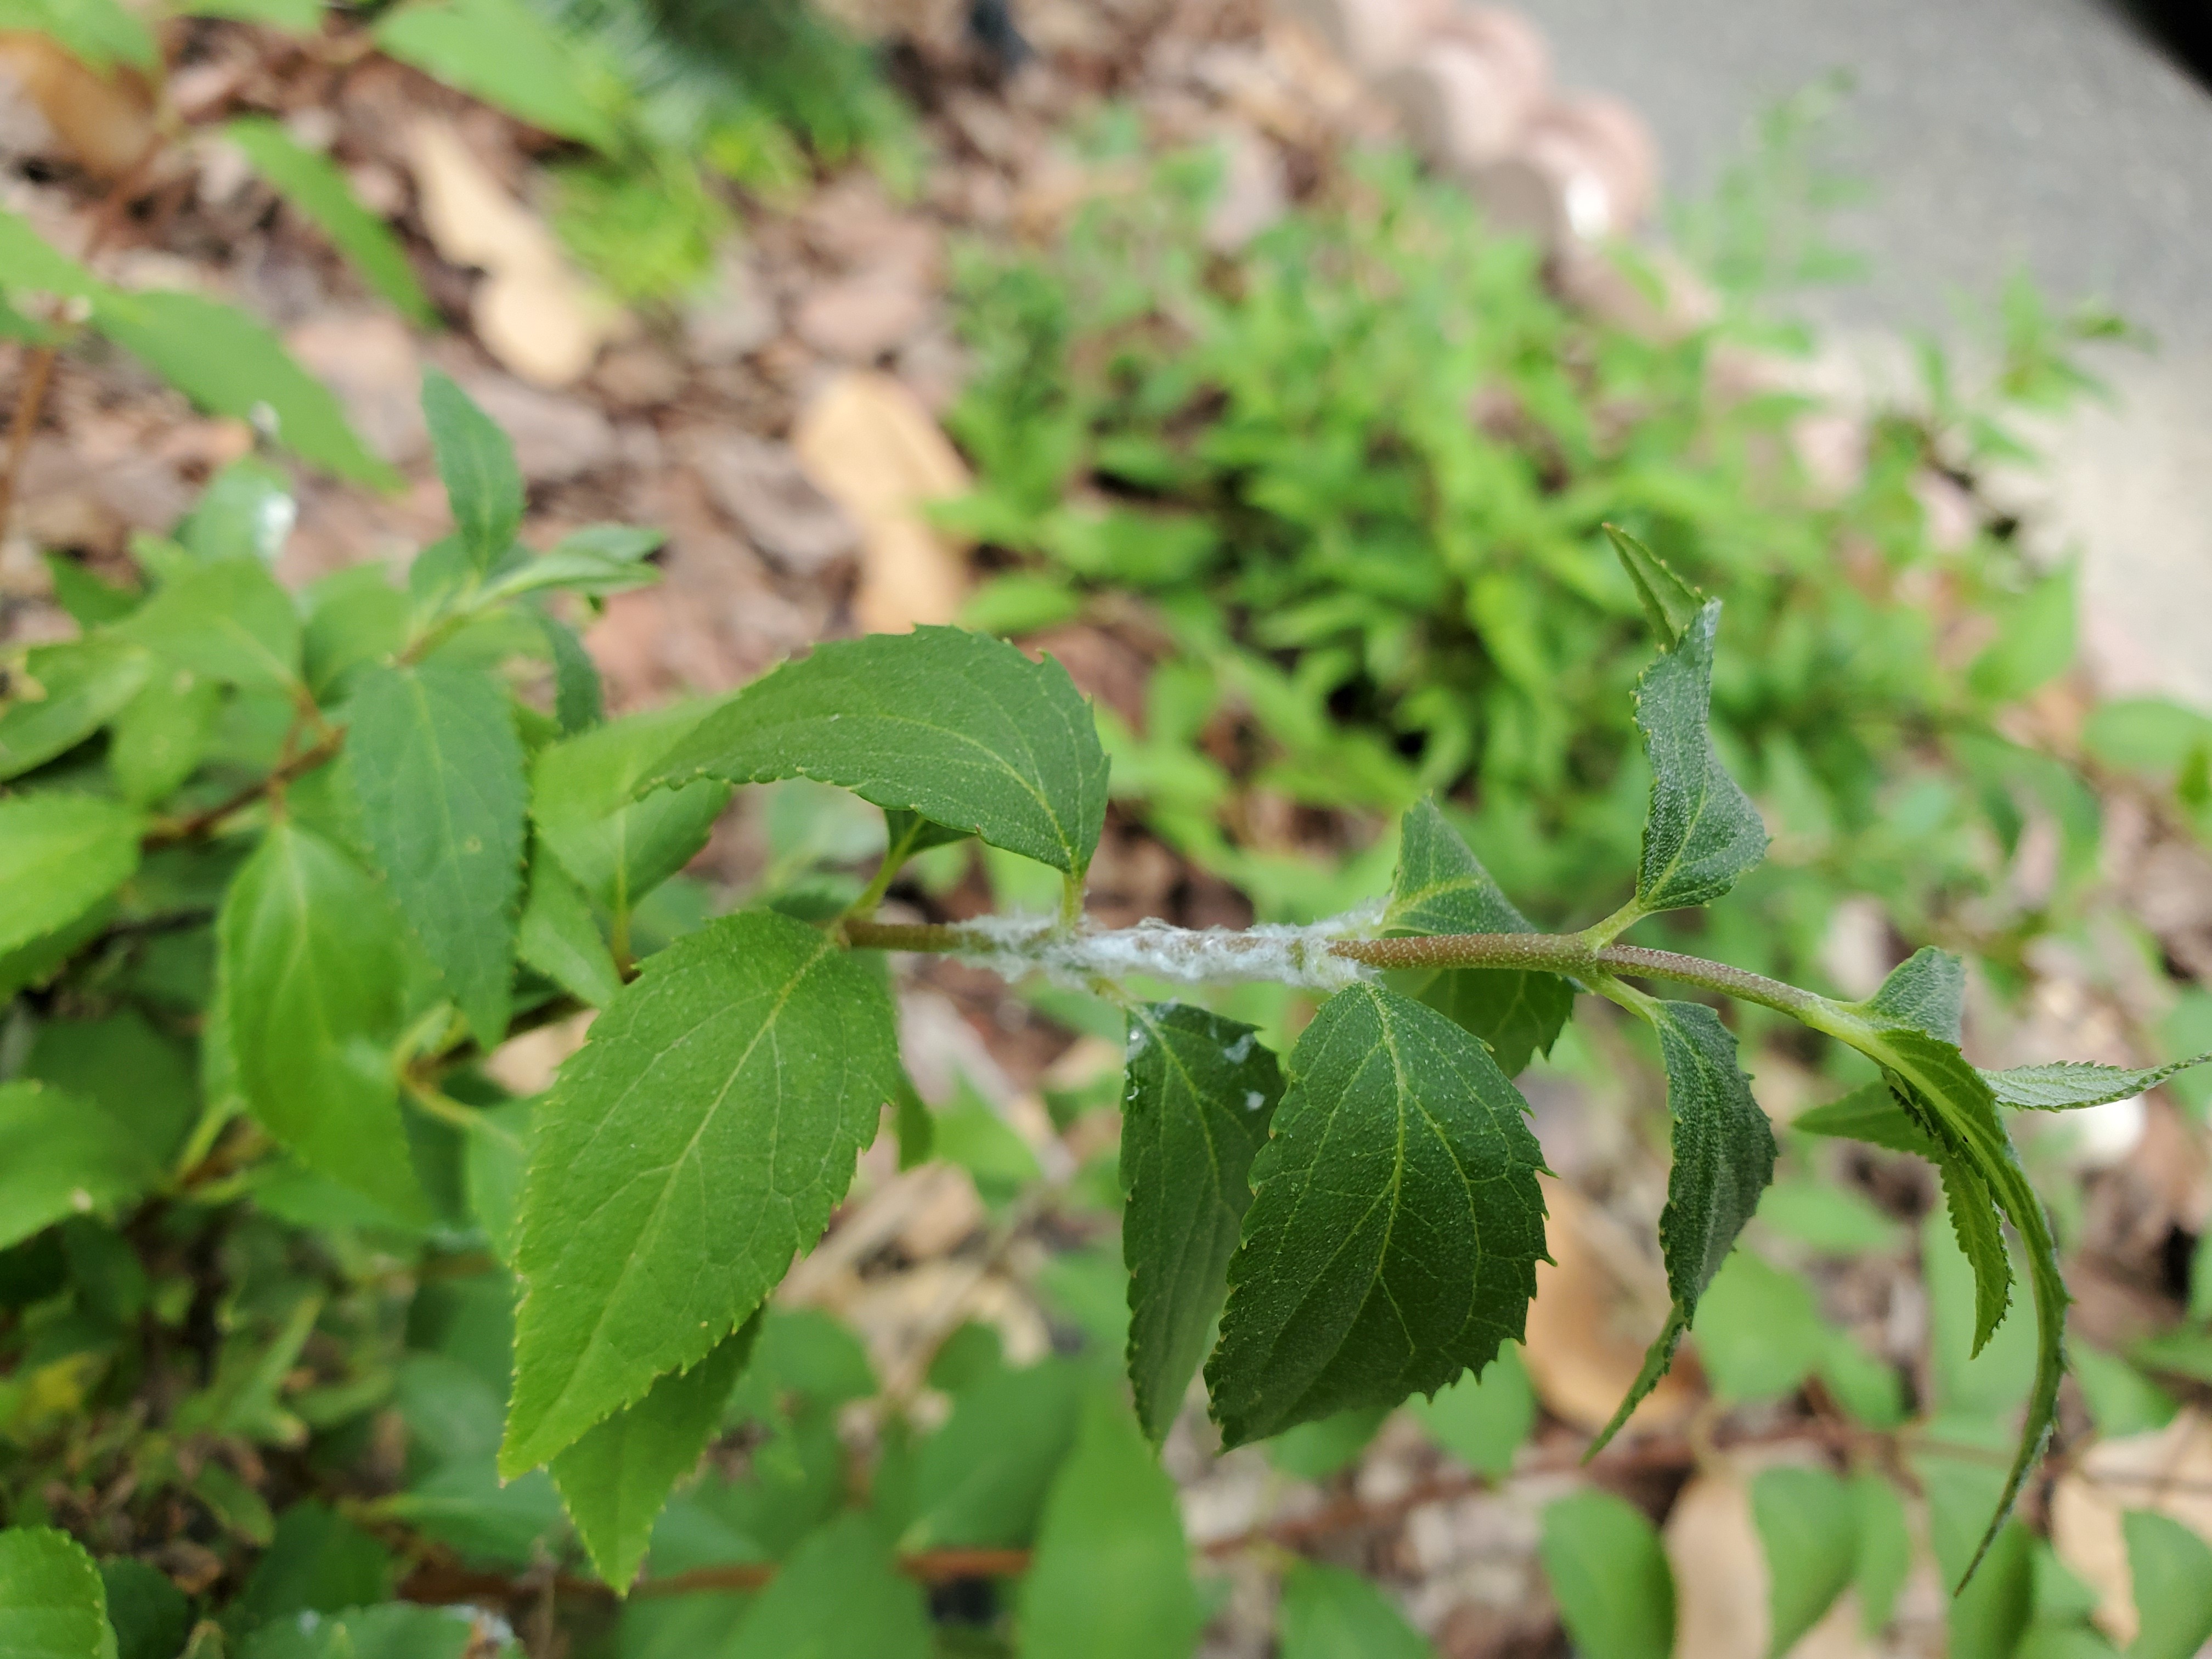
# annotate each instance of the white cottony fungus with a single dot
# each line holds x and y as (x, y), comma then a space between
(1014, 947)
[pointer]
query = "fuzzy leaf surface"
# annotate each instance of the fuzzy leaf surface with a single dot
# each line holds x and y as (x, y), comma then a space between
(1670, 604)
(1701, 832)
(1395, 1224)
(229, 621)
(2062, 1086)
(697, 1142)
(1199, 1093)
(439, 772)
(616, 1478)
(62, 1156)
(475, 461)
(959, 727)
(79, 686)
(1442, 888)
(60, 855)
(311, 183)
(52, 1603)
(310, 971)
(1111, 1572)
(584, 797)
(1926, 992)
(1724, 1158)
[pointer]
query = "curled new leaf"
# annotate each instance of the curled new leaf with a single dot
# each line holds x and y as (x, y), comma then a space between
(963, 729)
(1670, 604)
(1395, 1224)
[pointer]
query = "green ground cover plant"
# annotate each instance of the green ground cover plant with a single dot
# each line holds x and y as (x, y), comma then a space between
(278, 872)
(1352, 480)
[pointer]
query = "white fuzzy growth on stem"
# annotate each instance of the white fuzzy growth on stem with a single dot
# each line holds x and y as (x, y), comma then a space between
(1014, 946)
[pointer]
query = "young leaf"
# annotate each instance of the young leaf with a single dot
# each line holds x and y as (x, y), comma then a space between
(2171, 1570)
(1701, 832)
(839, 1593)
(1200, 1092)
(229, 621)
(312, 183)
(982, 1478)
(1610, 1578)
(1442, 888)
(500, 52)
(598, 560)
(230, 364)
(52, 1603)
(2062, 1085)
(61, 1156)
(483, 487)
(1111, 1574)
(579, 703)
(1724, 1158)
(151, 1615)
(964, 730)
(439, 772)
(1926, 992)
(697, 1142)
(1396, 1225)
(616, 1478)
(558, 937)
(162, 735)
(1326, 1612)
(584, 797)
(64, 695)
(1870, 1113)
(60, 855)
(1808, 1522)
(1670, 604)
(311, 974)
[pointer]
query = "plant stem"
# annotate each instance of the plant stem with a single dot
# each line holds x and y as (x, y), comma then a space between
(203, 823)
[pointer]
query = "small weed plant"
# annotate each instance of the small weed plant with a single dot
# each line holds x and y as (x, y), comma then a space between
(277, 874)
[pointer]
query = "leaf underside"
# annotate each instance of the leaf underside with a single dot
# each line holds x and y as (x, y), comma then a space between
(1396, 1223)
(2063, 1085)
(1701, 832)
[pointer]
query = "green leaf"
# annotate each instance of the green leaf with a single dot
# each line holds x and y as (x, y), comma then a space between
(2172, 1568)
(31, 262)
(1870, 1113)
(319, 1563)
(500, 52)
(1200, 1092)
(311, 973)
(439, 772)
(312, 183)
(1670, 604)
(230, 364)
(138, 1075)
(1926, 992)
(615, 1480)
(245, 512)
(981, 1480)
(150, 1614)
(163, 734)
(63, 1155)
(579, 703)
(1724, 1158)
(1808, 1522)
(584, 797)
(1110, 1575)
(89, 600)
(229, 621)
(1883, 1558)
(2062, 1085)
(64, 694)
(52, 1603)
(838, 1594)
(1442, 888)
(1326, 1612)
(596, 560)
(1701, 831)
(1483, 1420)
(60, 856)
(484, 486)
(697, 1142)
(1315, 1450)
(964, 730)
(1393, 1233)
(396, 1630)
(1610, 1578)
(2035, 643)
(558, 937)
